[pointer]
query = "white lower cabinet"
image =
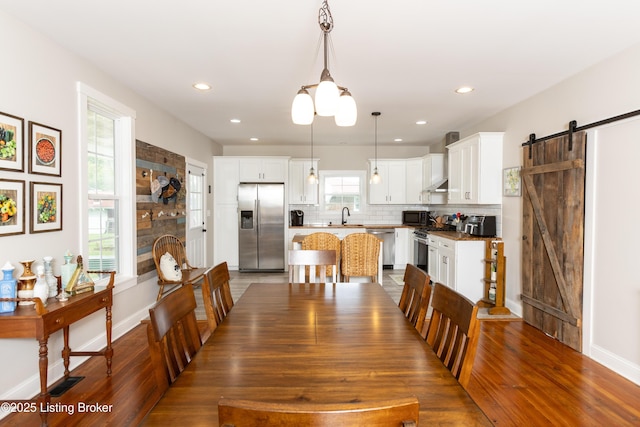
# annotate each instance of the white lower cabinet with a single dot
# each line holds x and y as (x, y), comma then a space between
(457, 264)
(402, 248)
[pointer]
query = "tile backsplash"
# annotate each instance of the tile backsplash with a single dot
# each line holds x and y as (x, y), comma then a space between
(392, 214)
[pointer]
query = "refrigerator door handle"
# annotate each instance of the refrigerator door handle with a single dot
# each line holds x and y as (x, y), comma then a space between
(257, 218)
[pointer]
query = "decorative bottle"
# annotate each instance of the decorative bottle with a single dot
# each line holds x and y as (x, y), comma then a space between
(67, 269)
(26, 283)
(41, 288)
(8, 288)
(52, 282)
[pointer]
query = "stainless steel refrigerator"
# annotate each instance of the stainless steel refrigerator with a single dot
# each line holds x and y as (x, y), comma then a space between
(261, 226)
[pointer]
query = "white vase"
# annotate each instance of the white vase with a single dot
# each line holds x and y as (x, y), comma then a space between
(41, 288)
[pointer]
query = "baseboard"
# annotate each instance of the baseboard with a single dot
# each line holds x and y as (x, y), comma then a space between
(624, 367)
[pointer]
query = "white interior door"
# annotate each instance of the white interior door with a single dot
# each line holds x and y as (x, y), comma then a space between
(196, 214)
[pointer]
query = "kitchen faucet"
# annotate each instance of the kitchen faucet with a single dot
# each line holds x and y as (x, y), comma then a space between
(344, 221)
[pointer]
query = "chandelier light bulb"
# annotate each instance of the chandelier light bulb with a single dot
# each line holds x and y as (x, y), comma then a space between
(302, 108)
(347, 114)
(327, 95)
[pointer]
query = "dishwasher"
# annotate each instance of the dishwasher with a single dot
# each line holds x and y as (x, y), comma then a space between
(388, 237)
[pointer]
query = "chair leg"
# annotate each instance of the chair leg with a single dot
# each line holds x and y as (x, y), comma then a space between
(160, 292)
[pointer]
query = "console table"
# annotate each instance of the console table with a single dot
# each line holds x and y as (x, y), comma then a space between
(40, 322)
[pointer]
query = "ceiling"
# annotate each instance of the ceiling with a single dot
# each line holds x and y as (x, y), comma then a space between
(403, 58)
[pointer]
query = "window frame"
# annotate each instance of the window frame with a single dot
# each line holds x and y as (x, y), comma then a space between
(361, 174)
(126, 277)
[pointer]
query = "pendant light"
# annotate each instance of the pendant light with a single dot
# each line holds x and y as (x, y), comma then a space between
(376, 178)
(331, 99)
(312, 178)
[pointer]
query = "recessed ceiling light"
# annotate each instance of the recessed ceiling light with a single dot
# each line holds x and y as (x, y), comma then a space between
(253, 139)
(202, 86)
(421, 122)
(235, 120)
(464, 89)
(398, 140)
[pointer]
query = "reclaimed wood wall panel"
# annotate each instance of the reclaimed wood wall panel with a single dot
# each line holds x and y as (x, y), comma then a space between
(156, 219)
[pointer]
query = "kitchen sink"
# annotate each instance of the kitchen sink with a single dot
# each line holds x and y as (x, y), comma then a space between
(345, 225)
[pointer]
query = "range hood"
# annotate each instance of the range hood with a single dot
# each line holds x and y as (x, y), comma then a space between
(441, 186)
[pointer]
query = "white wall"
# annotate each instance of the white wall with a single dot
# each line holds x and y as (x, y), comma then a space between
(38, 83)
(608, 89)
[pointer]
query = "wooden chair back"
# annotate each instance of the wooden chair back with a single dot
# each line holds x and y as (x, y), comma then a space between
(414, 300)
(240, 413)
(216, 294)
(173, 245)
(324, 241)
(303, 263)
(453, 331)
(359, 256)
(173, 334)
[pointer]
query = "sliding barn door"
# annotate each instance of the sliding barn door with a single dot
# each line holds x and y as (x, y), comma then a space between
(553, 235)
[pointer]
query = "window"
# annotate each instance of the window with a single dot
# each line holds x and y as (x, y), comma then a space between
(108, 221)
(342, 188)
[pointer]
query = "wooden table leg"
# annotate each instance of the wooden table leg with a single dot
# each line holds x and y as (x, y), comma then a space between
(108, 353)
(44, 398)
(66, 351)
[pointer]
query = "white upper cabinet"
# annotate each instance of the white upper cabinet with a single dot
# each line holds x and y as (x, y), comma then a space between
(301, 192)
(225, 180)
(414, 178)
(475, 169)
(263, 169)
(433, 173)
(392, 189)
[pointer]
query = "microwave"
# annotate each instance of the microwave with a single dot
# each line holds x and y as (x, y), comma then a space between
(415, 218)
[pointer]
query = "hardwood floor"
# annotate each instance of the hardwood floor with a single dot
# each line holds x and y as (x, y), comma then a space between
(520, 377)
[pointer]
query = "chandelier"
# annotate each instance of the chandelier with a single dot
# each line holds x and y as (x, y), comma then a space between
(331, 99)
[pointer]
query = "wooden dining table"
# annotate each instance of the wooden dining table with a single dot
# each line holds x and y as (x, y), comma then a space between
(324, 343)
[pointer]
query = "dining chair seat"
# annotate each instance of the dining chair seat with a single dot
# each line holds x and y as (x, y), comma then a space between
(240, 413)
(453, 331)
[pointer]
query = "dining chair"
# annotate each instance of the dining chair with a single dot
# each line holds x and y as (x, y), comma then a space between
(303, 263)
(240, 413)
(173, 335)
(324, 241)
(414, 300)
(359, 256)
(453, 331)
(189, 274)
(216, 294)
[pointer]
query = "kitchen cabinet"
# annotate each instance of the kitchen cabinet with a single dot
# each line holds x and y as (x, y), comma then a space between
(414, 181)
(392, 189)
(458, 264)
(263, 169)
(225, 210)
(403, 245)
(475, 169)
(433, 172)
(301, 192)
(225, 179)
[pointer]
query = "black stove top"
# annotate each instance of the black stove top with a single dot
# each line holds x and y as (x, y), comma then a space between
(422, 232)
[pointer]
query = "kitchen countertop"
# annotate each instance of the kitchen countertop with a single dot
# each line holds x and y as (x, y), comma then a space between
(338, 226)
(455, 235)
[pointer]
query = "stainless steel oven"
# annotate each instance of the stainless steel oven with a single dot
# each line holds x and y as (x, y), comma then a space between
(420, 250)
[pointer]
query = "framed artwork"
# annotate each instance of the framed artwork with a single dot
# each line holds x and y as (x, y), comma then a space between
(512, 183)
(12, 205)
(45, 145)
(11, 142)
(46, 207)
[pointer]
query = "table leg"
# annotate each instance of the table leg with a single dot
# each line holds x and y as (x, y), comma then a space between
(44, 398)
(108, 353)
(66, 351)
